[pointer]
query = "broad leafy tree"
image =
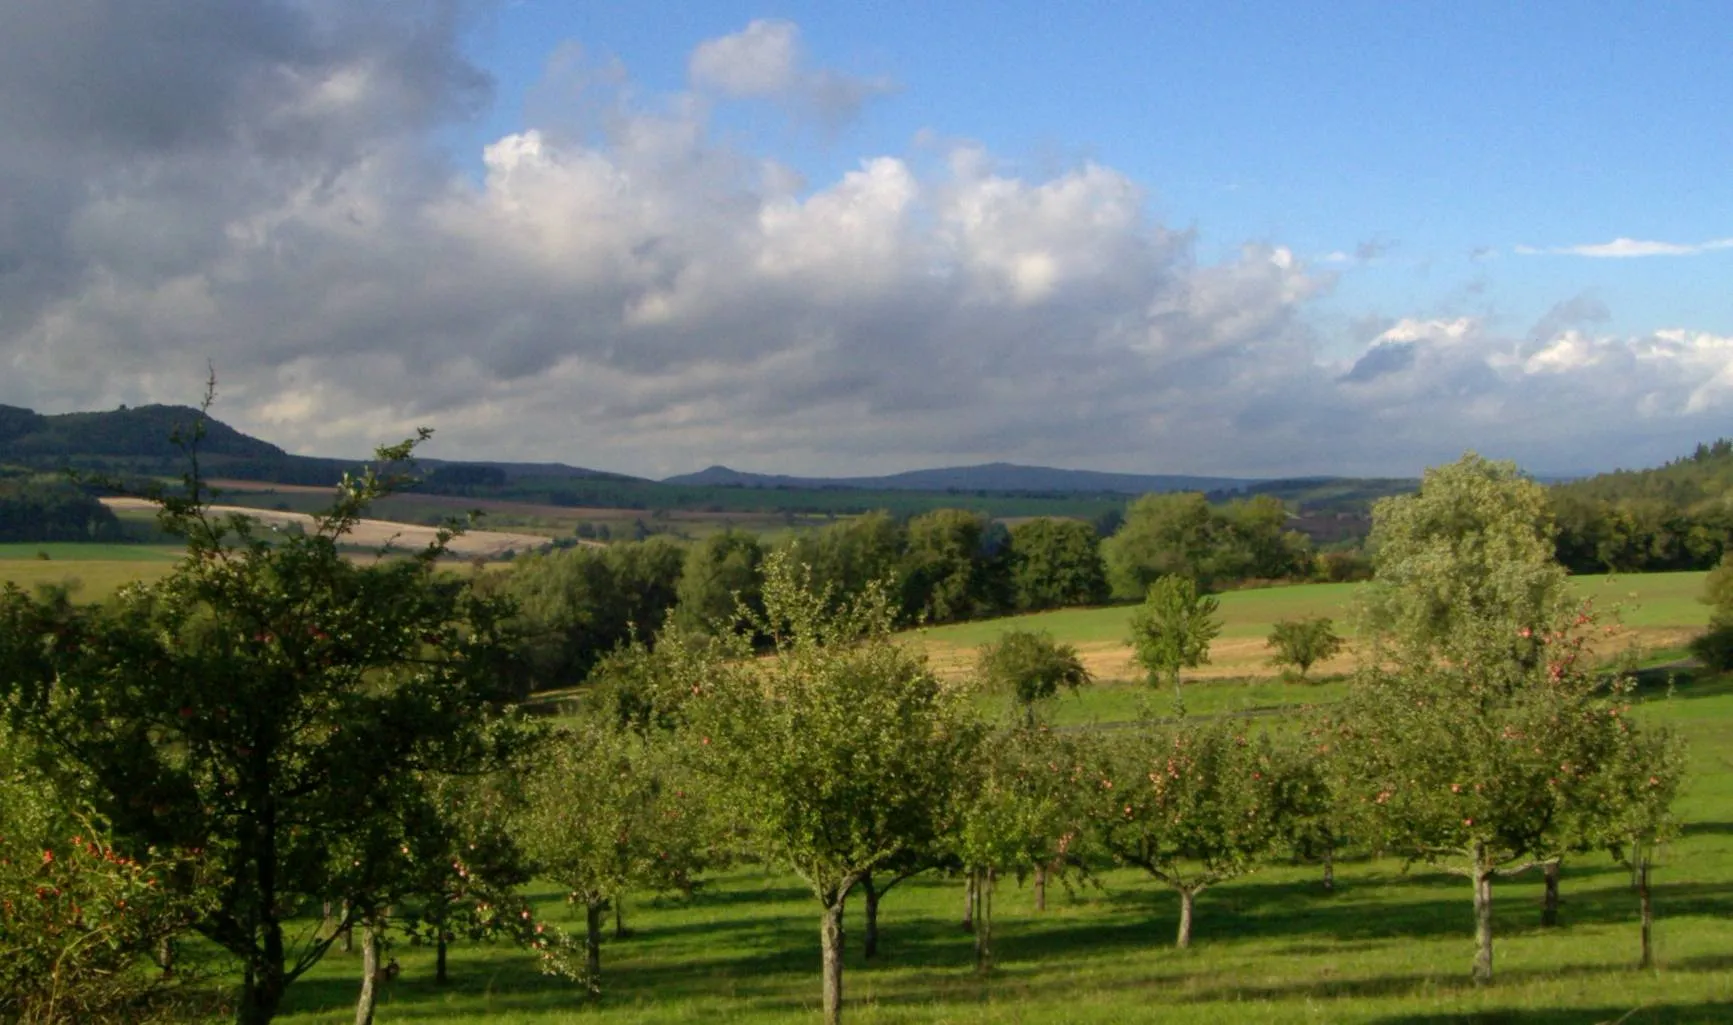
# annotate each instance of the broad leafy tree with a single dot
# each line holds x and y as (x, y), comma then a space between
(1172, 629)
(267, 703)
(722, 572)
(1480, 736)
(847, 555)
(1464, 568)
(833, 756)
(1031, 667)
(576, 605)
(1163, 535)
(1193, 806)
(1304, 642)
(601, 817)
(1056, 563)
(950, 570)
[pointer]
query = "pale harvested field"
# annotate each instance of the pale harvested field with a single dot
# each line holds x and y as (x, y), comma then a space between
(486, 544)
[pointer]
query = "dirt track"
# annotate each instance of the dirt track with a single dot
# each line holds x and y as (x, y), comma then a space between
(488, 544)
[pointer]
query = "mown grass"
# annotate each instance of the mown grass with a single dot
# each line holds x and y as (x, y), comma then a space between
(1388, 946)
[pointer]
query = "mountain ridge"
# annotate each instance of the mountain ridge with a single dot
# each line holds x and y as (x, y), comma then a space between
(998, 476)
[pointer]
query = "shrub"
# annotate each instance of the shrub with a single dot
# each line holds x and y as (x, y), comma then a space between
(1715, 647)
(1301, 643)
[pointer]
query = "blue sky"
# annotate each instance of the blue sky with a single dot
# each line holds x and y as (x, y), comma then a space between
(1249, 239)
(1444, 135)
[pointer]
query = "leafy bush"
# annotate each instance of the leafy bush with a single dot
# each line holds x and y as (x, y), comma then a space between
(1031, 666)
(1715, 647)
(1302, 643)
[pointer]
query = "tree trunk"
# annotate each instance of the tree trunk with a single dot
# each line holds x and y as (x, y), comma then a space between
(165, 955)
(1648, 910)
(969, 901)
(1549, 903)
(830, 941)
(620, 930)
(870, 935)
(327, 921)
(984, 924)
(262, 990)
(1330, 869)
(348, 931)
(593, 912)
(370, 974)
(440, 975)
(1186, 899)
(1040, 887)
(1482, 920)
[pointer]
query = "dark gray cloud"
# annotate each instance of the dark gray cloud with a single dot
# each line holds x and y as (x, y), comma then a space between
(256, 185)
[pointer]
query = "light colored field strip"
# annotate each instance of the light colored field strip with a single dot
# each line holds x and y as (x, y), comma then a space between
(488, 544)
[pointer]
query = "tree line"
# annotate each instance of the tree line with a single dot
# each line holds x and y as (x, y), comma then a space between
(276, 748)
(943, 566)
(36, 508)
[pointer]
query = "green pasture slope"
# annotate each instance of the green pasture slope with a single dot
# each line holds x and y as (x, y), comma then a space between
(1643, 600)
(1386, 947)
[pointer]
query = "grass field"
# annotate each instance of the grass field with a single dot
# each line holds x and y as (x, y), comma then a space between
(1387, 946)
(1659, 611)
(95, 570)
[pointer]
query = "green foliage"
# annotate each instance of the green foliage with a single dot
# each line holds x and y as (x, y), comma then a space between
(1302, 643)
(723, 576)
(1673, 517)
(80, 921)
(1055, 564)
(575, 606)
(1173, 628)
(1481, 738)
(1465, 566)
(1193, 806)
(50, 510)
(274, 704)
(1180, 534)
(1714, 647)
(605, 812)
(949, 573)
(835, 755)
(1031, 667)
(850, 554)
(1163, 535)
(1718, 591)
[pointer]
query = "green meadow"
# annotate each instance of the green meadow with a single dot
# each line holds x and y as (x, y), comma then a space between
(1389, 945)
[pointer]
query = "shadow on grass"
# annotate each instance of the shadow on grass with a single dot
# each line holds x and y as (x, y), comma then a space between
(1656, 1015)
(770, 961)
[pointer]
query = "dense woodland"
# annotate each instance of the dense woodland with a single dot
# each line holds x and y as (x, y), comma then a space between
(48, 508)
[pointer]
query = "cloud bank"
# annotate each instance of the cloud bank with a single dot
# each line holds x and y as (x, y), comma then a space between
(257, 185)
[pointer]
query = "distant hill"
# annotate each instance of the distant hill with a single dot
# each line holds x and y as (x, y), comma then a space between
(139, 440)
(1703, 478)
(1000, 477)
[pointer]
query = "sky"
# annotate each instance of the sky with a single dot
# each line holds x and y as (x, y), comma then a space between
(1249, 239)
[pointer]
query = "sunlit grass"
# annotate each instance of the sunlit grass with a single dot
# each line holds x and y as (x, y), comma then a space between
(1388, 946)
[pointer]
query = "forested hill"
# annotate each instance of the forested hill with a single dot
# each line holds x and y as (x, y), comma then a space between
(141, 440)
(1001, 477)
(1691, 482)
(1673, 517)
(142, 432)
